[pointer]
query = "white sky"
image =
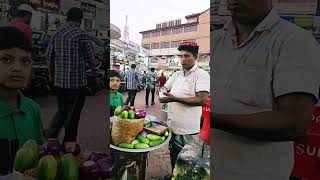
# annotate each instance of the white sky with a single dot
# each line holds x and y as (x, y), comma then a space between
(145, 14)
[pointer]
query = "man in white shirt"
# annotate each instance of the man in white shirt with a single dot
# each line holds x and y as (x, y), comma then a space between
(188, 91)
(265, 86)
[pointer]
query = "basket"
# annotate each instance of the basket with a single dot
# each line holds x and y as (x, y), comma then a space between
(125, 130)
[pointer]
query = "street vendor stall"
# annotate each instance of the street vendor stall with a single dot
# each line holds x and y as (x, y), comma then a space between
(140, 134)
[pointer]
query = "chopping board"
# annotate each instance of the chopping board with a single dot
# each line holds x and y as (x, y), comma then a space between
(157, 129)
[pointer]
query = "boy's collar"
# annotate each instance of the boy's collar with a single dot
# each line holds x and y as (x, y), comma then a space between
(6, 110)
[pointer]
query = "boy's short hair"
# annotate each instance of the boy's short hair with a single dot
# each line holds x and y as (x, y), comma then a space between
(11, 37)
(189, 46)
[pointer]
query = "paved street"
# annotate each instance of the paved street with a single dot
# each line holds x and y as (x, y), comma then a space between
(93, 128)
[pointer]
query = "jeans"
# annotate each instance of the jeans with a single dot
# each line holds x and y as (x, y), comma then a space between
(70, 104)
(152, 94)
(131, 97)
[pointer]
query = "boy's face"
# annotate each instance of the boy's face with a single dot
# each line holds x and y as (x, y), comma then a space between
(114, 83)
(15, 68)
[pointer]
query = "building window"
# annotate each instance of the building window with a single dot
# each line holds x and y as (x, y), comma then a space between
(146, 35)
(156, 34)
(177, 30)
(155, 46)
(166, 32)
(175, 44)
(190, 28)
(146, 46)
(165, 45)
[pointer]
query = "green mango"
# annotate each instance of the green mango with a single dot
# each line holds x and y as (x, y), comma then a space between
(69, 168)
(132, 114)
(135, 142)
(153, 137)
(141, 146)
(127, 146)
(25, 159)
(143, 139)
(47, 168)
(163, 138)
(124, 115)
(118, 111)
(166, 134)
(155, 143)
(34, 146)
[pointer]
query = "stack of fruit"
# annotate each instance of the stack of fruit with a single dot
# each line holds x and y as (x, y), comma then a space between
(126, 112)
(53, 164)
(144, 141)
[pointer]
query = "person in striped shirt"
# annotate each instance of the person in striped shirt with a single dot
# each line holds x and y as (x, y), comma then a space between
(132, 79)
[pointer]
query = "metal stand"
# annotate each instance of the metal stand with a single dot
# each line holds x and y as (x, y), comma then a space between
(123, 159)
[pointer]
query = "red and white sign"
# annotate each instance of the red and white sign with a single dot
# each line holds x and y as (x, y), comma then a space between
(307, 152)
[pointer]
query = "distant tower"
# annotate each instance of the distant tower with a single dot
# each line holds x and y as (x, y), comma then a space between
(126, 31)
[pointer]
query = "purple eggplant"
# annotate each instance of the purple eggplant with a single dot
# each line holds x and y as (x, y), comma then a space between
(53, 147)
(143, 133)
(138, 115)
(143, 114)
(125, 108)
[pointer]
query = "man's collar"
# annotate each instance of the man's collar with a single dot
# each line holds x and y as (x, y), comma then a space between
(195, 67)
(266, 24)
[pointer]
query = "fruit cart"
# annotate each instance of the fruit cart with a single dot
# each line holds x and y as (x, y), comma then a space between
(134, 157)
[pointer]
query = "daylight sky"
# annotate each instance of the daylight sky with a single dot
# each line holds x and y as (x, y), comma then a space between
(145, 14)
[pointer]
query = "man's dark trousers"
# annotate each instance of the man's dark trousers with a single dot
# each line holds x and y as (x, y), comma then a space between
(70, 104)
(131, 97)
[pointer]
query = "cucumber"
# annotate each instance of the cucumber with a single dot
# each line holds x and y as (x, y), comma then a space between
(163, 138)
(135, 142)
(141, 146)
(155, 143)
(127, 146)
(153, 137)
(143, 139)
(166, 134)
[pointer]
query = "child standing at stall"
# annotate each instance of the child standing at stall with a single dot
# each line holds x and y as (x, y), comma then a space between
(20, 117)
(116, 98)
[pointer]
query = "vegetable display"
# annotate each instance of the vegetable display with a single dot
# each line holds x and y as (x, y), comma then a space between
(144, 139)
(55, 165)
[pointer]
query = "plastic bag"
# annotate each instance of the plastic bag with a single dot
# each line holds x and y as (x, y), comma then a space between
(205, 130)
(125, 130)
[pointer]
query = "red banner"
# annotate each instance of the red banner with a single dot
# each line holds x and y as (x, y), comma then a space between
(205, 130)
(307, 152)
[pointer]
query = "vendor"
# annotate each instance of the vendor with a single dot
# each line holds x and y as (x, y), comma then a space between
(116, 98)
(188, 91)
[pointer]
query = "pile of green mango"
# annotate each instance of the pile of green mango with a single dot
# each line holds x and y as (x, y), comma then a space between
(47, 167)
(144, 142)
(126, 112)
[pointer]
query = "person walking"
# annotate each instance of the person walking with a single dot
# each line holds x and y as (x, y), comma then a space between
(132, 79)
(68, 53)
(22, 20)
(162, 80)
(151, 80)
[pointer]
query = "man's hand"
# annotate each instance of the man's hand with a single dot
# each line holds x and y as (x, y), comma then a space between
(168, 99)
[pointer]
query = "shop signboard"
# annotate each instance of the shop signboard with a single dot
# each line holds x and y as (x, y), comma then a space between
(102, 21)
(51, 5)
(89, 10)
(65, 5)
(307, 151)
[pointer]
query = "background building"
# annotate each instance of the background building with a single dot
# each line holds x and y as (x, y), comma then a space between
(162, 42)
(304, 13)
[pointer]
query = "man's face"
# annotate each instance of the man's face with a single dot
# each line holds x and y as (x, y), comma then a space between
(187, 59)
(15, 68)
(248, 11)
(28, 18)
(114, 83)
